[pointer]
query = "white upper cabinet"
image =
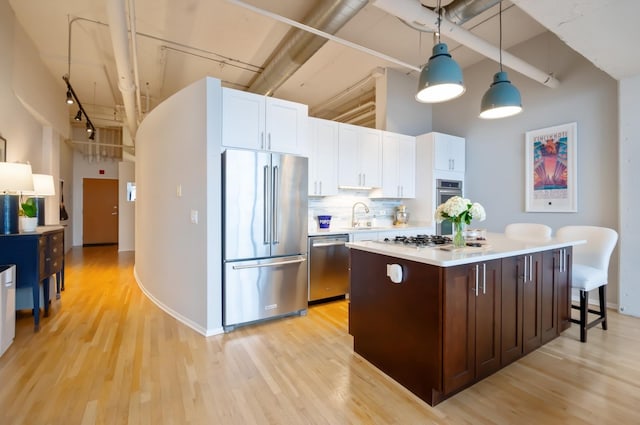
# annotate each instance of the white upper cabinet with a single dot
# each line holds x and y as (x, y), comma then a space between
(323, 157)
(359, 157)
(398, 166)
(258, 122)
(449, 152)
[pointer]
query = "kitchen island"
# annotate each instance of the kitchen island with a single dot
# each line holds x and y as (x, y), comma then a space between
(438, 319)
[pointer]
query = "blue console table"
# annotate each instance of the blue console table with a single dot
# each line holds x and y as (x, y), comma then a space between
(37, 255)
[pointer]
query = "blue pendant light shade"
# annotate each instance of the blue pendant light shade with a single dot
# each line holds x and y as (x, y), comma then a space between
(441, 77)
(501, 100)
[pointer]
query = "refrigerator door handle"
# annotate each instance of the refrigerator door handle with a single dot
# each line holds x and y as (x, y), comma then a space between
(276, 203)
(280, 263)
(265, 216)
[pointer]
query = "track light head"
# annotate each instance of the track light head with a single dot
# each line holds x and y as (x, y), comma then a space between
(89, 128)
(78, 116)
(92, 136)
(69, 98)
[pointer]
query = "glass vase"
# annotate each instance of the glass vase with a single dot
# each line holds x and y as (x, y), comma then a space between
(458, 236)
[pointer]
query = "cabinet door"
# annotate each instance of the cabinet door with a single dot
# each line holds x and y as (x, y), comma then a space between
(458, 360)
(457, 154)
(562, 278)
(243, 119)
(370, 153)
(487, 281)
(286, 129)
(390, 166)
(449, 153)
(511, 302)
(531, 302)
(407, 166)
(349, 173)
(323, 157)
(556, 292)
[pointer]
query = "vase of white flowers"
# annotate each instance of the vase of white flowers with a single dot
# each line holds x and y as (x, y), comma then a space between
(459, 211)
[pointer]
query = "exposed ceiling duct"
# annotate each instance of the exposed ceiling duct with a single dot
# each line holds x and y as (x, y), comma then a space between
(460, 11)
(299, 46)
(120, 39)
(413, 11)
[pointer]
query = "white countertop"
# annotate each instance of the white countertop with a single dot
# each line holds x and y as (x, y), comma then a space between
(497, 245)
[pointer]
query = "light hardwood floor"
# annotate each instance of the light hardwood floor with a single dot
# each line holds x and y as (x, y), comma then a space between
(107, 355)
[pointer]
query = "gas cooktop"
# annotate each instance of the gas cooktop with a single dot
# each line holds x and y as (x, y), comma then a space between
(419, 241)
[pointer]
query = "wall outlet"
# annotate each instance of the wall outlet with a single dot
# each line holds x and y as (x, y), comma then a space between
(194, 216)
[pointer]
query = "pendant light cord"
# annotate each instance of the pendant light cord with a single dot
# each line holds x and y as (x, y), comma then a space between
(500, 20)
(439, 20)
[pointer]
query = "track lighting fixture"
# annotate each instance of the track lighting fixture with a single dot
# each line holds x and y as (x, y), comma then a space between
(503, 98)
(69, 98)
(71, 95)
(441, 78)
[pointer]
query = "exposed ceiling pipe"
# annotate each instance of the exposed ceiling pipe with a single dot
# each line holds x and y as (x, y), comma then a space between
(412, 10)
(299, 46)
(116, 10)
(134, 57)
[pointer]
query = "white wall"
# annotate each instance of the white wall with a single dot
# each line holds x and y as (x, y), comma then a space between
(178, 263)
(395, 101)
(33, 115)
(85, 168)
(27, 93)
(629, 243)
(126, 208)
(495, 149)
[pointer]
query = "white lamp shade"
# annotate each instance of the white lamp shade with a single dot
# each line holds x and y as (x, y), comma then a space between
(43, 185)
(15, 177)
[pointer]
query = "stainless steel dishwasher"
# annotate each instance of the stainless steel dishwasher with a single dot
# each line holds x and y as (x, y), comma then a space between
(328, 266)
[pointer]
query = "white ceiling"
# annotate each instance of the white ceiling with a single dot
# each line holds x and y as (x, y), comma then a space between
(181, 41)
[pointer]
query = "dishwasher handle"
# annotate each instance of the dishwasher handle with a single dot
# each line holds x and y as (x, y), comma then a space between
(333, 243)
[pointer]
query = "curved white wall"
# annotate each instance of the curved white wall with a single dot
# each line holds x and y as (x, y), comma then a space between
(178, 263)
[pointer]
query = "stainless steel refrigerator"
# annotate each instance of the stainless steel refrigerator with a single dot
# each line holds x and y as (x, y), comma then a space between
(265, 236)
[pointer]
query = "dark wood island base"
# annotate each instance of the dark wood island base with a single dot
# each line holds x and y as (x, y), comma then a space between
(442, 329)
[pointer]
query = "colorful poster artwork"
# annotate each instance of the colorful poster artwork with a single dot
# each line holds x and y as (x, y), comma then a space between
(550, 172)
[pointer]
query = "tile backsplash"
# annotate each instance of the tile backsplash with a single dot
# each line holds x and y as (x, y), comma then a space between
(381, 211)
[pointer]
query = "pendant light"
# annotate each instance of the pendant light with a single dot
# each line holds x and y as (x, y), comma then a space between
(441, 77)
(503, 98)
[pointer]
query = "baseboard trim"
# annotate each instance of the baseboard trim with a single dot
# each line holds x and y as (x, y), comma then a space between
(180, 318)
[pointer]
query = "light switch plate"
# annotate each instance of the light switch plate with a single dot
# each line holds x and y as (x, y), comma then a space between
(194, 216)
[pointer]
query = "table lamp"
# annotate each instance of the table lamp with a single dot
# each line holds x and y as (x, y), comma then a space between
(42, 186)
(14, 179)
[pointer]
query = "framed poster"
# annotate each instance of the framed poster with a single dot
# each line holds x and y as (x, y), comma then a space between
(551, 169)
(3, 149)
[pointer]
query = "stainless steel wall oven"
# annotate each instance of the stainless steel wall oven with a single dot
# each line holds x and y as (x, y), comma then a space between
(446, 189)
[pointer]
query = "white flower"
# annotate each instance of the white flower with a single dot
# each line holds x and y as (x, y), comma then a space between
(477, 212)
(458, 209)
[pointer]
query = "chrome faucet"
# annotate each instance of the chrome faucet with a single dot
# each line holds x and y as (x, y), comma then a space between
(354, 222)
